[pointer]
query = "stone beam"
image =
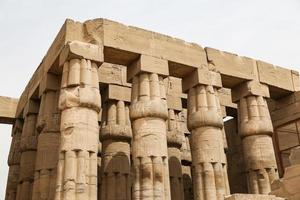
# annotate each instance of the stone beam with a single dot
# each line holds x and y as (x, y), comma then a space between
(285, 110)
(8, 107)
(123, 45)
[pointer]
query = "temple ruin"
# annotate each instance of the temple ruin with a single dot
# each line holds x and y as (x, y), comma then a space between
(115, 112)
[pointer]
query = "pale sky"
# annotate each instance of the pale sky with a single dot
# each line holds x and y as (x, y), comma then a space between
(263, 29)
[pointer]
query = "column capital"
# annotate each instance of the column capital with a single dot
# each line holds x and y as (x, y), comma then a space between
(148, 64)
(79, 50)
(201, 75)
(250, 88)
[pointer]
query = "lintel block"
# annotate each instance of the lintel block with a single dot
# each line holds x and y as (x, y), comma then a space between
(201, 76)
(249, 88)
(148, 64)
(76, 49)
(117, 92)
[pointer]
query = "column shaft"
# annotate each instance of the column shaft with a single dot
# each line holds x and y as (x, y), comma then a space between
(79, 103)
(186, 157)
(255, 128)
(47, 148)
(28, 148)
(115, 136)
(14, 161)
(148, 113)
(174, 140)
(208, 157)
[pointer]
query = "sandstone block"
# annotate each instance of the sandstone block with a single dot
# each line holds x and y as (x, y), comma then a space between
(8, 108)
(78, 50)
(249, 88)
(275, 76)
(148, 64)
(201, 76)
(234, 69)
(252, 197)
(117, 92)
(112, 74)
(49, 82)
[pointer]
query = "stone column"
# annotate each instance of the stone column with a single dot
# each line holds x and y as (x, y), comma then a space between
(28, 148)
(99, 160)
(205, 123)
(148, 114)
(186, 157)
(48, 125)
(174, 140)
(79, 103)
(255, 129)
(14, 157)
(115, 136)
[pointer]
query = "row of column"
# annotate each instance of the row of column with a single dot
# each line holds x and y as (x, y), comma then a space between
(149, 130)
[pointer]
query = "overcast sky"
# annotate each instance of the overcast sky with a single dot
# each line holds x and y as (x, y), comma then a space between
(263, 29)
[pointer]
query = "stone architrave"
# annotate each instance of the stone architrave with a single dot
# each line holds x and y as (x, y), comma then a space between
(255, 129)
(115, 136)
(148, 114)
(79, 103)
(209, 169)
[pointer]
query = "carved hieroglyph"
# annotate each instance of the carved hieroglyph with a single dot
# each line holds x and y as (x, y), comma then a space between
(148, 113)
(14, 161)
(255, 128)
(79, 103)
(115, 136)
(174, 140)
(47, 148)
(208, 158)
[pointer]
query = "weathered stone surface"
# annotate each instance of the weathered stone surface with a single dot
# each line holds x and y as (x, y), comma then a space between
(249, 88)
(79, 103)
(255, 128)
(208, 158)
(115, 136)
(66, 120)
(275, 76)
(252, 197)
(8, 107)
(202, 76)
(234, 69)
(235, 159)
(174, 140)
(112, 74)
(148, 112)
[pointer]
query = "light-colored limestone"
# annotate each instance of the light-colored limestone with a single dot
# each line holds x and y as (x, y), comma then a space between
(79, 103)
(115, 136)
(28, 147)
(252, 197)
(14, 158)
(255, 128)
(48, 124)
(208, 157)
(148, 114)
(174, 141)
(8, 107)
(149, 58)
